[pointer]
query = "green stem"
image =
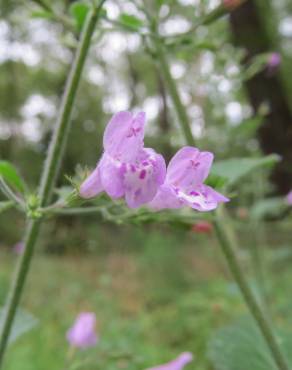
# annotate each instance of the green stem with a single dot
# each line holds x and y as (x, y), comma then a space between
(223, 234)
(250, 300)
(174, 94)
(48, 178)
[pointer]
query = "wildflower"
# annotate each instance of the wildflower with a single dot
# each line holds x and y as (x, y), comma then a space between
(232, 4)
(183, 184)
(202, 227)
(274, 61)
(178, 364)
(289, 198)
(82, 333)
(18, 248)
(126, 168)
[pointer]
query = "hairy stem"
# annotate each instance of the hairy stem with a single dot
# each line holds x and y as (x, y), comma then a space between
(49, 175)
(250, 300)
(173, 92)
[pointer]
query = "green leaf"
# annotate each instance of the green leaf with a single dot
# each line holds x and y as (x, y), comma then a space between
(130, 21)
(79, 11)
(23, 322)
(241, 347)
(10, 175)
(42, 14)
(271, 207)
(235, 169)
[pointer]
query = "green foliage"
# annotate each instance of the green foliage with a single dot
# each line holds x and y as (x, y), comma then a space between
(241, 346)
(10, 174)
(130, 21)
(23, 323)
(270, 207)
(233, 170)
(79, 11)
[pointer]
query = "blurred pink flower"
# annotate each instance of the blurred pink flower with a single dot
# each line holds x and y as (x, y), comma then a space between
(202, 227)
(273, 63)
(82, 334)
(126, 169)
(184, 183)
(289, 198)
(18, 248)
(178, 364)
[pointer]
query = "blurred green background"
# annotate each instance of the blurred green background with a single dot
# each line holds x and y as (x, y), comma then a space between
(157, 289)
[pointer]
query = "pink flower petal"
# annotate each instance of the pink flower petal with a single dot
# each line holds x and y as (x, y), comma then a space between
(189, 167)
(82, 333)
(92, 185)
(123, 136)
(111, 174)
(178, 364)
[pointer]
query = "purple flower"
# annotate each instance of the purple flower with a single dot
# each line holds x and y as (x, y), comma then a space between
(289, 198)
(18, 248)
(183, 184)
(82, 333)
(178, 364)
(126, 169)
(274, 60)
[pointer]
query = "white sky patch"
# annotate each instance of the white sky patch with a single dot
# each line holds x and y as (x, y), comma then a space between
(133, 42)
(178, 69)
(207, 63)
(174, 25)
(95, 75)
(225, 86)
(36, 105)
(234, 112)
(112, 9)
(17, 51)
(31, 129)
(151, 106)
(285, 27)
(4, 29)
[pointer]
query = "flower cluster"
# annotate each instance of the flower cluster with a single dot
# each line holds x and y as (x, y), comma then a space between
(127, 169)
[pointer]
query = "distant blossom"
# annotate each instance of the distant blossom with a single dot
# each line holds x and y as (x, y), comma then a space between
(184, 183)
(289, 198)
(82, 334)
(202, 227)
(126, 169)
(273, 63)
(178, 364)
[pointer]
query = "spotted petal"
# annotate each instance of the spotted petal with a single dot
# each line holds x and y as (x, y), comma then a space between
(142, 178)
(123, 136)
(203, 198)
(189, 167)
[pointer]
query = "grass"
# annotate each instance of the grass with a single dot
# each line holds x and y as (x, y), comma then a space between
(159, 296)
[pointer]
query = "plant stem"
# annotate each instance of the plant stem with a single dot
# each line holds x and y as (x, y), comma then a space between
(48, 178)
(223, 234)
(250, 300)
(18, 202)
(172, 88)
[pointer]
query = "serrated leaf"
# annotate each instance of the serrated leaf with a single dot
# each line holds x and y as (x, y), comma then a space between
(9, 173)
(236, 168)
(23, 322)
(241, 346)
(79, 11)
(130, 21)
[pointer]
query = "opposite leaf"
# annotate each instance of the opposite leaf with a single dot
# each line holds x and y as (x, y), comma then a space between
(9, 173)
